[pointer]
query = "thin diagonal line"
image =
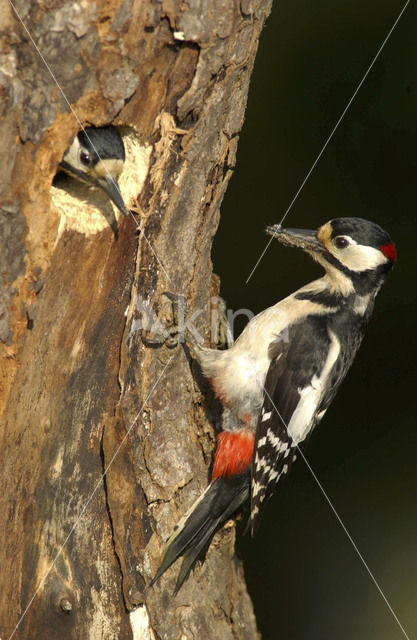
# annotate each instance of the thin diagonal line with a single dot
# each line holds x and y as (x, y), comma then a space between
(142, 233)
(42, 582)
(259, 259)
(331, 134)
(47, 66)
(51, 73)
(374, 580)
(353, 543)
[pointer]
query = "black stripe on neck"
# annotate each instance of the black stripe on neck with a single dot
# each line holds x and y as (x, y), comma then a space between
(325, 297)
(363, 281)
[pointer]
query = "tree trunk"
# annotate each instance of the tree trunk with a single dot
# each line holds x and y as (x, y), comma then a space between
(106, 438)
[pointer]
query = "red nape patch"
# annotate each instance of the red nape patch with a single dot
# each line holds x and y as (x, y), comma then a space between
(233, 453)
(389, 251)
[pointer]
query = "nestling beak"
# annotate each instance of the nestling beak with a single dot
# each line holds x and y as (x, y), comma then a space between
(302, 238)
(107, 184)
(110, 186)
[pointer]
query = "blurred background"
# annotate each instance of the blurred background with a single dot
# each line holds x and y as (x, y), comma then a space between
(306, 580)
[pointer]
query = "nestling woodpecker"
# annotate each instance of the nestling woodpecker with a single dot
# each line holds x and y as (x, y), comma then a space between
(96, 157)
(278, 379)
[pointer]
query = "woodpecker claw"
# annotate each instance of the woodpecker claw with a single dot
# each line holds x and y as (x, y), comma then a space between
(173, 340)
(175, 297)
(180, 307)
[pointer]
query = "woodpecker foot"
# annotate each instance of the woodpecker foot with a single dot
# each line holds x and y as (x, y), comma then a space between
(221, 332)
(184, 330)
(180, 310)
(180, 306)
(155, 341)
(168, 332)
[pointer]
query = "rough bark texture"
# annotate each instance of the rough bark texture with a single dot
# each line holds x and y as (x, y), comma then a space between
(81, 388)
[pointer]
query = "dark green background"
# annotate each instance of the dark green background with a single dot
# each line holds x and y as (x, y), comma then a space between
(304, 575)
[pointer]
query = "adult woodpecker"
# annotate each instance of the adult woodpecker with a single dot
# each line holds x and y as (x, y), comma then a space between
(278, 379)
(96, 157)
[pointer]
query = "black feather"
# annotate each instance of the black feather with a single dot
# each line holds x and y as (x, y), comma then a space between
(191, 539)
(293, 364)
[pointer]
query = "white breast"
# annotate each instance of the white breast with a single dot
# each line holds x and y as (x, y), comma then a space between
(239, 373)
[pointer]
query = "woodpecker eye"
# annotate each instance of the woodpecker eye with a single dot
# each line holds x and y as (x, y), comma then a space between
(341, 242)
(85, 158)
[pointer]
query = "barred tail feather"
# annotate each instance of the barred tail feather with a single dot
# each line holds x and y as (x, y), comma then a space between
(194, 532)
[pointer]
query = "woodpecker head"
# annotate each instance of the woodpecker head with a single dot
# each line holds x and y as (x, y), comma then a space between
(356, 254)
(96, 157)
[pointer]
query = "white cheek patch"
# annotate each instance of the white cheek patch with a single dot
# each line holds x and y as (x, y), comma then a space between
(72, 155)
(359, 257)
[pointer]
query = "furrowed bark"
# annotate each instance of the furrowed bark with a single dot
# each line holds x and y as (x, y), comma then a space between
(85, 388)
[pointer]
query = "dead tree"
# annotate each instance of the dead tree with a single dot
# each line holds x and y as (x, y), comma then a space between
(106, 438)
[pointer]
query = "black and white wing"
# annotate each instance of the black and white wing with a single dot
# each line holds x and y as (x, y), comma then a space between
(300, 375)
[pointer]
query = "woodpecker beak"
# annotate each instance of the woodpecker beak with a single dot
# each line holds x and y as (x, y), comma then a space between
(110, 186)
(302, 238)
(107, 184)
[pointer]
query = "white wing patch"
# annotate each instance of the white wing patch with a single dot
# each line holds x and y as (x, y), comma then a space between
(310, 396)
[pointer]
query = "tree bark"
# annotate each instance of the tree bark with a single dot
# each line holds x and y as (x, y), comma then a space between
(106, 437)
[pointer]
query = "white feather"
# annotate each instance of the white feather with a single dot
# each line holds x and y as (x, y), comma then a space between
(301, 420)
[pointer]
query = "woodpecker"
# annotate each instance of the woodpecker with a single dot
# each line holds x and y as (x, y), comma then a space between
(277, 380)
(96, 157)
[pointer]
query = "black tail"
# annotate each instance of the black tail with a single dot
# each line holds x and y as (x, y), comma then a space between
(192, 535)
